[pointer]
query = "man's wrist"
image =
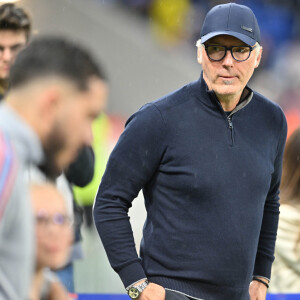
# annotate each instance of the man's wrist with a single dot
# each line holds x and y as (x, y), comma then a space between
(262, 280)
(135, 290)
(140, 281)
(265, 279)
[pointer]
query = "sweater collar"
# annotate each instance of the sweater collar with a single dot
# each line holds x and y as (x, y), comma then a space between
(208, 97)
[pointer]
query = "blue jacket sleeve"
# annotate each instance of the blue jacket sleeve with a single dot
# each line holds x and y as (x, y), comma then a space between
(267, 239)
(131, 165)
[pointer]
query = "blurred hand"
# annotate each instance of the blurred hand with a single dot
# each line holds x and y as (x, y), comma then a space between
(153, 292)
(257, 290)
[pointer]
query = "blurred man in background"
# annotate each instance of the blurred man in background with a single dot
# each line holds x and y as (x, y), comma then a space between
(15, 31)
(55, 91)
(208, 158)
(15, 27)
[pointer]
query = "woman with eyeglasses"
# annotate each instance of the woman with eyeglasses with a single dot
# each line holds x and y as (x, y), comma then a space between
(54, 236)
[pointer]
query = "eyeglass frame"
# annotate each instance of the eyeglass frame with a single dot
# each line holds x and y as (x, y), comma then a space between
(44, 220)
(229, 48)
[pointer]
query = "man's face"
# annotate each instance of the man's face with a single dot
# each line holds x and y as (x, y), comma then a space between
(71, 129)
(11, 42)
(228, 76)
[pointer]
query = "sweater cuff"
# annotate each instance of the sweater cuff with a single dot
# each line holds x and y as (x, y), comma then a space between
(132, 273)
(262, 267)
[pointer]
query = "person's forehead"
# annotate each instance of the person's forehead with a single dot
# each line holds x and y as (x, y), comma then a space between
(225, 40)
(8, 37)
(48, 198)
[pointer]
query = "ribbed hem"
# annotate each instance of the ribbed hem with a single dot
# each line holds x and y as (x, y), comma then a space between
(202, 290)
(262, 266)
(132, 273)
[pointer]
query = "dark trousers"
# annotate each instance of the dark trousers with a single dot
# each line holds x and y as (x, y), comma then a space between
(175, 296)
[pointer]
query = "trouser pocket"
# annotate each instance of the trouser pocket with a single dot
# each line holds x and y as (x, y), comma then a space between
(170, 295)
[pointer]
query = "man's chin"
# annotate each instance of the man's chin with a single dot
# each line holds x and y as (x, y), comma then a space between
(4, 73)
(226, 89)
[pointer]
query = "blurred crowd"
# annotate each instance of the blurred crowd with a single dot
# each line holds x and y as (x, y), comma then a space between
(182, 20)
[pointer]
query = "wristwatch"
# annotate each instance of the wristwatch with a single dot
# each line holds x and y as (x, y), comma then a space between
(135, 291)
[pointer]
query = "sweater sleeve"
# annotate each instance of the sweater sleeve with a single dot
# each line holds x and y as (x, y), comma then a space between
(131, 165)
(16, 225)
(267, 238)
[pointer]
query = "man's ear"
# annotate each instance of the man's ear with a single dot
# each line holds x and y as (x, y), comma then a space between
(258, 58)
(50, 100)
(199, 55)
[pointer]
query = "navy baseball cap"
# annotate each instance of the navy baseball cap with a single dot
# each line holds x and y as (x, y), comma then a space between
(231, 19)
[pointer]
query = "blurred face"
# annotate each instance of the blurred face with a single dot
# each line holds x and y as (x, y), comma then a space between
(54, 232)
(227, 77)
(71, 129)
(11, 42)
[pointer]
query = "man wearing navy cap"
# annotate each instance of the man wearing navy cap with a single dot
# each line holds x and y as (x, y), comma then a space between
(208, 158)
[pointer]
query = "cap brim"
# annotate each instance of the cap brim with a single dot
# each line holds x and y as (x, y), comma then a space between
(244, 38)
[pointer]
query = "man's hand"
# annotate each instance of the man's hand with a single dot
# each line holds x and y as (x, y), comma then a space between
(257, 290)
(153, 292)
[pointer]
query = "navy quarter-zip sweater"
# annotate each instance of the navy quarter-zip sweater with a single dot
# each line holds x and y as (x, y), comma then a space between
(211, 188)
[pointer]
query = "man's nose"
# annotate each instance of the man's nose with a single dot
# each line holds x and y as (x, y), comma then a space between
(228, 59)
(7, 54)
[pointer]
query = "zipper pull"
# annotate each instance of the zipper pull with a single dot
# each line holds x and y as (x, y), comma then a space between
(230, 122)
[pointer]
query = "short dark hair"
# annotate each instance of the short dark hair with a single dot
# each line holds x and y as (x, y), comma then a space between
(14, 18)
(58, 56)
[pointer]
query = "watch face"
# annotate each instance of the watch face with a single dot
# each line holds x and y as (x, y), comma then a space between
(133, 293)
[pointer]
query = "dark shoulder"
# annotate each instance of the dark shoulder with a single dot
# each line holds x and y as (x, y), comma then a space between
(157, 109)
(266, 103)
(173, 102)
(173, 99)
(270, 111)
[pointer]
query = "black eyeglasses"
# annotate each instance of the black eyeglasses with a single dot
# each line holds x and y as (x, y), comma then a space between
(239, 53)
